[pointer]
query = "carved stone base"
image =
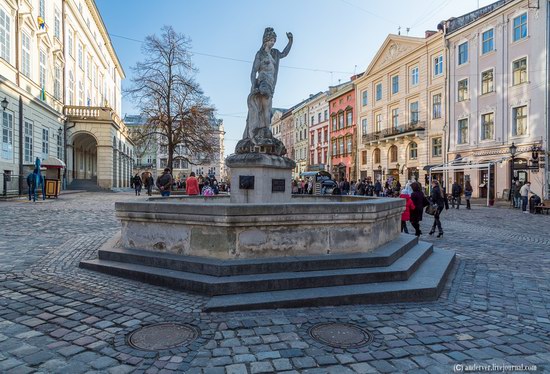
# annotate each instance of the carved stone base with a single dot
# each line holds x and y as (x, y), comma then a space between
(262, 142)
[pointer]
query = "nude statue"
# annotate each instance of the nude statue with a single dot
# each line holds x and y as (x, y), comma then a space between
(263, 78)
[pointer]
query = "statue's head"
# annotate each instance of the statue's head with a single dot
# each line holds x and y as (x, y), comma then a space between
(269, 36)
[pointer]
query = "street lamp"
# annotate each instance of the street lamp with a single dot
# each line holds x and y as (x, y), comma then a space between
(513, 150)
(4, 103)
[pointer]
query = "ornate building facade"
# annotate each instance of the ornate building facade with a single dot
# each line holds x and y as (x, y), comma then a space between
(318, 133)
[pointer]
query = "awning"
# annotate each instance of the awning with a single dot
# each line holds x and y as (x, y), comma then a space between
(428, 167)
(53, 163)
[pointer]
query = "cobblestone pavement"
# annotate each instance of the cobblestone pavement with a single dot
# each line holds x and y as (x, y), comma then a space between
(55, 317)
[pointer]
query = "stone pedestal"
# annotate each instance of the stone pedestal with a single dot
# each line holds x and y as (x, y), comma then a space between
(259, 178)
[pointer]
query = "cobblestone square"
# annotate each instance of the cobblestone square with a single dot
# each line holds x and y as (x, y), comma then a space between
(56, 318)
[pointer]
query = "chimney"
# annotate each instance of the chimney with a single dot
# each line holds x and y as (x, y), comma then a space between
(429, 33)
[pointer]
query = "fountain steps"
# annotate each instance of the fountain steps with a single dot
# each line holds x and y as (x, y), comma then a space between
(386, 274)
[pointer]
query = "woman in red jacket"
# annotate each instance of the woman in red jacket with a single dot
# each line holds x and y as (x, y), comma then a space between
(406, 215)
(192, 185)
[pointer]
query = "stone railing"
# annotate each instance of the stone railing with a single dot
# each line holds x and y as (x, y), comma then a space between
(394, 131)
(92, 113)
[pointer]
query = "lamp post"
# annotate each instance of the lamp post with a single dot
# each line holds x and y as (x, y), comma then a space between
(513, 150)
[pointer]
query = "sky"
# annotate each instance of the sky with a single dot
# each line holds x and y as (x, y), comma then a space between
(333, 39)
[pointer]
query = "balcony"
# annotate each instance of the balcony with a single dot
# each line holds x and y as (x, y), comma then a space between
(394, 132)
(92, 113)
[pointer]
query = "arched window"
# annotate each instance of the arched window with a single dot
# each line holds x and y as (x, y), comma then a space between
(376, 156)
(413, 151)
(393, 153)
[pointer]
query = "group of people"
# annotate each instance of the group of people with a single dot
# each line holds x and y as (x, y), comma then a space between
(520, 195)
(165, 183)
(416, 201)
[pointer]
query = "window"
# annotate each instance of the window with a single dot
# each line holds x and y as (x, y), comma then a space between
(436, 106)
(487, 126)
(70, 41)
(43, 70)
(349, 118)
(376, 156)
(45, 142)
(42, 8)
(326, 115)
(394, 84)
(414, 112)
(334, 124)
(364, 126)
(57, 82)
(438, 65)
(486, 82)
(25, 55)
(379, 91)
(89, 67)
(80, 57)
(395, 117)
(325, 138)
(80, 94)
(463, 53)
(363, 157)
(341, 120)
(519, 71)
(341, 145)
(487, 41)
(393, 153)
(413, 151)
(520, 27)
(71, 88)
(59, 147)
(318, 118)
(7, 135)
(364, 98)
(312, 139)
(462, 137)
(519, 121)
(334, 148)
(57, 24)
(436, 147)
(463, 90)
(27, 147)
(378, 124)
(349, 144)
(414, 76)
(5, 35)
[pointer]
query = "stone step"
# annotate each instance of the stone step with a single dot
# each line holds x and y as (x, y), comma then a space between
(399, 270)
(383, 256)
(426, 284)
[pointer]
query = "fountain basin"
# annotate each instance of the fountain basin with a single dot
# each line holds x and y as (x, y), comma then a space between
(213, 227)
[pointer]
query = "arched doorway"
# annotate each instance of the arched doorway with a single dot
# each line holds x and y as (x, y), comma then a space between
(84, 160)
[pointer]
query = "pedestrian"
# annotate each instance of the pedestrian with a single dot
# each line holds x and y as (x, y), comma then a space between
(207, 190)
(192, 185)
(137, 182)
(149, 183)
(419, 201)
(165, 182)
(437, 197)
(524, 192)
(468, 194)
(456, 191)
(517, 195)
(409, 206)
(377, 187)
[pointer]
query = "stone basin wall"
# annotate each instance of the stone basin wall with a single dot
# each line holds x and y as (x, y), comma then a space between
(212, 227)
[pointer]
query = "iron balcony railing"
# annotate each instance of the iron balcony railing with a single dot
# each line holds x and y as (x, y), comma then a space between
(395, 131)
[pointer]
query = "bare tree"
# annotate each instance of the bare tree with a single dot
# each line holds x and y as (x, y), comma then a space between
(178, 114)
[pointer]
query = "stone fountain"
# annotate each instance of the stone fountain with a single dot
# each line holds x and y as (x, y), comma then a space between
(260, 247)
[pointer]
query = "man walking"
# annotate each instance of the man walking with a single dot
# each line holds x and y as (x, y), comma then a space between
(524, 192)
(164, 183)
(456, 191)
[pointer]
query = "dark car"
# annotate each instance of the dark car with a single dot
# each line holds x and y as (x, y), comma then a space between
(328, 186)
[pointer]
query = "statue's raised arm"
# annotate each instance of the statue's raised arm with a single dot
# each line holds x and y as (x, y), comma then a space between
(285, 51)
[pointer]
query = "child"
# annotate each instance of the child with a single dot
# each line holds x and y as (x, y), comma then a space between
(406, 215)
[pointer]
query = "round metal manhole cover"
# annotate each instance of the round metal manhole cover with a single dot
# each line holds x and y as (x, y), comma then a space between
(340, 335)
(162, 336)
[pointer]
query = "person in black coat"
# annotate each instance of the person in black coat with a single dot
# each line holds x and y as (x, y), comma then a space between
(437, 197)
(420, 202)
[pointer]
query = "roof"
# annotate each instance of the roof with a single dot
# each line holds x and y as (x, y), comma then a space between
(456, 23)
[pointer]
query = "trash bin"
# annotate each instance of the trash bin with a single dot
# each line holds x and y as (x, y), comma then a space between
(533, 202)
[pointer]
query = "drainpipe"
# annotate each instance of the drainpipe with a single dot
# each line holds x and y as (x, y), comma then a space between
(21, 171)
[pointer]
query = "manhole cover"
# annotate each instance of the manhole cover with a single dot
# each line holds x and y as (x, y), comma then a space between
(162, 336)
(340, 335)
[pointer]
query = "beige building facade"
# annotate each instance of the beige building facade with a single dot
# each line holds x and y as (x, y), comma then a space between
(400, 110)
(498, 95)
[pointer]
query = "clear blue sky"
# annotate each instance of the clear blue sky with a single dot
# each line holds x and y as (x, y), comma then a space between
(332, 40)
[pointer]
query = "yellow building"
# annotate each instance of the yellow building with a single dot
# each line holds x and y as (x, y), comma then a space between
(401, 109)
